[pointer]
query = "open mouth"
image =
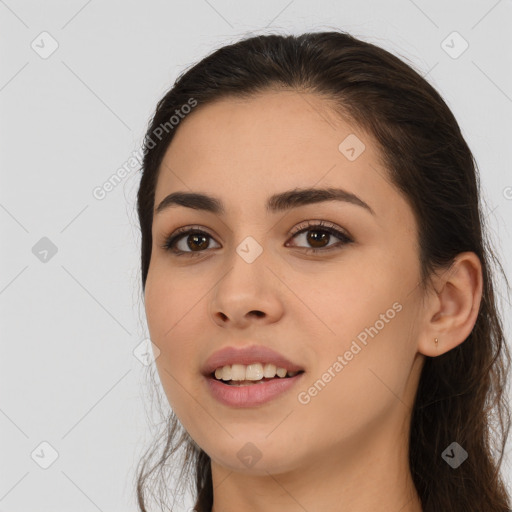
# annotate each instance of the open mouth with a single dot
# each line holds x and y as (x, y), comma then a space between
(247, 382)
(253, 384)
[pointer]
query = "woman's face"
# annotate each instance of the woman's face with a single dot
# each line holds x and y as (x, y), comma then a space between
(345, 315)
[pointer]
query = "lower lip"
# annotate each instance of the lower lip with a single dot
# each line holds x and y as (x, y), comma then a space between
(252, 394)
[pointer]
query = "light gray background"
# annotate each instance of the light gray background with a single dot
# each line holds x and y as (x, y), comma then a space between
(70, 324)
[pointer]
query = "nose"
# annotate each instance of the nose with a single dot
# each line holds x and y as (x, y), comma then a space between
(247, 293)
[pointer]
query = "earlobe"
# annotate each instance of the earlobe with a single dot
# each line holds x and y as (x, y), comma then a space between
(451, 310)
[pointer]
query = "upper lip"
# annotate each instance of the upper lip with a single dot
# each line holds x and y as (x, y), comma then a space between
(245, 356)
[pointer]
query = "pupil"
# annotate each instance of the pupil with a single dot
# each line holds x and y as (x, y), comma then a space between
(195, 239)
(315, 239)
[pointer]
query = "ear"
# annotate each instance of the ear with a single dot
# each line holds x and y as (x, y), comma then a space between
(451, 310)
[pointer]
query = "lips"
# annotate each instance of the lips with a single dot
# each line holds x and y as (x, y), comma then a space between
(252, 395)
(246, 356)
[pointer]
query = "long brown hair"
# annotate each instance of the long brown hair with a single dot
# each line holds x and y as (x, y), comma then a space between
(461, 393)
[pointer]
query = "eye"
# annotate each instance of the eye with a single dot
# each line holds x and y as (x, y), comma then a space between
(193, 237)
(317, 233)
(197, 240)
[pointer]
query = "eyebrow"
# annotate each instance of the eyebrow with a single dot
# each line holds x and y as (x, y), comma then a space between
(276, 203)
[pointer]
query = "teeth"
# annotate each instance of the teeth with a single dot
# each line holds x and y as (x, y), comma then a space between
(281, 372)
(237, 372)
(269, 370)
(254, 372)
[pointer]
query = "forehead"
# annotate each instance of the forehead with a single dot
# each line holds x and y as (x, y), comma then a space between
(245, 150)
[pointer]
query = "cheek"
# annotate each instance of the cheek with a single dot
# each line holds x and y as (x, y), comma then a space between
(174, 325)
(340, 304)
(363, 291)
(355, 385)
(172, 316)
(170, 302)
(364, 333)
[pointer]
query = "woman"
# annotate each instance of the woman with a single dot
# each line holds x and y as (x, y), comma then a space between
(318, 284)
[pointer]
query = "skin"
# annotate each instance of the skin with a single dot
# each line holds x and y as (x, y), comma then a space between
(347, 448)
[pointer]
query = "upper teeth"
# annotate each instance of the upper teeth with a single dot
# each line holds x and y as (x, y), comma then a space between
(255, 371)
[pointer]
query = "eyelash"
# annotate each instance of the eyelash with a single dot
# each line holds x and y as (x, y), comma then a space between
(170, 242)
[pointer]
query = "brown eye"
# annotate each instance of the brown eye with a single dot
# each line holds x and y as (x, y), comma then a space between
(317, 238)
(197, 241)
(318, 235)
(187, 241)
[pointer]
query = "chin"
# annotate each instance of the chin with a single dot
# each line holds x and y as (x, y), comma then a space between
(253, 457)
